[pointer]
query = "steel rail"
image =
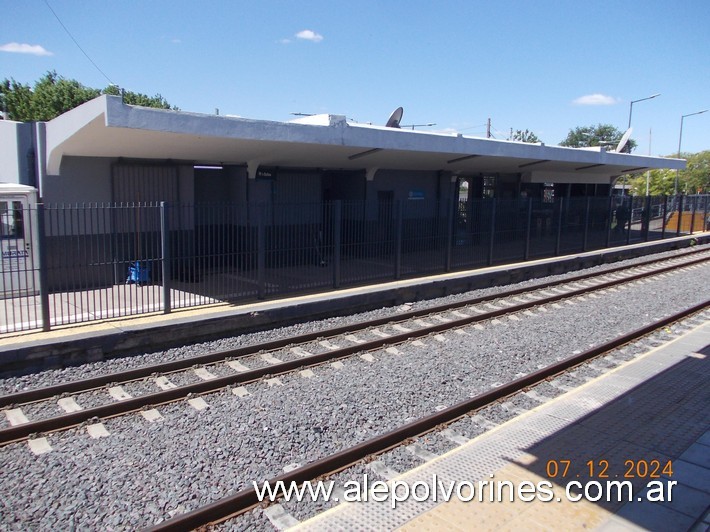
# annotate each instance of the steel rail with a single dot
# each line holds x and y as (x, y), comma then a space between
(66, 421)
(247, 498)
(92, 383)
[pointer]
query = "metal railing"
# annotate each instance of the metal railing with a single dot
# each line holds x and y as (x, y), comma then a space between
(77, 263)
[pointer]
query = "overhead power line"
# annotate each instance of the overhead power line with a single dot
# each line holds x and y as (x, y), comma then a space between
(471, 127)
(77, 44)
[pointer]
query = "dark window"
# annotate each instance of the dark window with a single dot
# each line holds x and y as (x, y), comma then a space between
(12, 220)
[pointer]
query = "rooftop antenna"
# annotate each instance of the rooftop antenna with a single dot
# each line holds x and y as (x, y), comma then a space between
(395, 118)
(624, 140)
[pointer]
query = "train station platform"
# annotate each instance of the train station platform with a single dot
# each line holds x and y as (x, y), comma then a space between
(645, 424)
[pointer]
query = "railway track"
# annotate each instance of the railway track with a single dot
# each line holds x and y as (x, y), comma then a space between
(247, 499)
(142, 472)
(303, 351)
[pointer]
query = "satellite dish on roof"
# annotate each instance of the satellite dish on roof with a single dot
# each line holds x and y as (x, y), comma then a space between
(395, 118)
(624, 140)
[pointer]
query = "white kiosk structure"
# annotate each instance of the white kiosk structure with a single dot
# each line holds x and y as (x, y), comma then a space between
(19, 243)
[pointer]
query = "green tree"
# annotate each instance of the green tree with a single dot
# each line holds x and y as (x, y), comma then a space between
(599, 135)
(16, 100)
(661, 182)
(525, 136)
(695, 178)
(53, 95)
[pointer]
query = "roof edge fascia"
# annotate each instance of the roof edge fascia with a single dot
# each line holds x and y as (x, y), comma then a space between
(340, 133)
(63, 127)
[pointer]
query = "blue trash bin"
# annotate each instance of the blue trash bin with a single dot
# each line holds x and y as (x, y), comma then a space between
(138, 273)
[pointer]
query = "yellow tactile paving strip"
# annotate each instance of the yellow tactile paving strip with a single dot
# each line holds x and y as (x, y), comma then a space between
(517, 515)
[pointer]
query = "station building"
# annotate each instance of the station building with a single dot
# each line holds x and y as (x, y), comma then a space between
(254, 207)
(106, 151)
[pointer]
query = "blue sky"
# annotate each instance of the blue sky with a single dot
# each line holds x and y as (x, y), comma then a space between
(543, 65)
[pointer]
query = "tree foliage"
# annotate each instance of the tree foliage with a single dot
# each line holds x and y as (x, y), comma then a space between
(525, 136)
(15, 98)
(661, 182)
(599, 135)
(53, 95)
(695, 179)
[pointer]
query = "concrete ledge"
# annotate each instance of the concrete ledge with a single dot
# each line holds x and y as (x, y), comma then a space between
(98, 341)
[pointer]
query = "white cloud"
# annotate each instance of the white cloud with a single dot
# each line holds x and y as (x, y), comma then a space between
(595, 99)
(309, 35)
(17, 48)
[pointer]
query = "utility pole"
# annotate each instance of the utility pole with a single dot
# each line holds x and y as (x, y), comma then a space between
(648, 172)
(488, 129)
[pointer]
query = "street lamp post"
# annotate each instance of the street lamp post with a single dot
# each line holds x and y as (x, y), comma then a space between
(631, 107)
(680, 139)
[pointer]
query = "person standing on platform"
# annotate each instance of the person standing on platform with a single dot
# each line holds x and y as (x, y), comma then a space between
(622, 217)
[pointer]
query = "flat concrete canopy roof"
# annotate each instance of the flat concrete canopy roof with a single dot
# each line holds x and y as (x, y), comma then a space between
(105, 127)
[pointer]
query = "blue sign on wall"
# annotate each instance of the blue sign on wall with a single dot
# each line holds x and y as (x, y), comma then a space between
(416, 195)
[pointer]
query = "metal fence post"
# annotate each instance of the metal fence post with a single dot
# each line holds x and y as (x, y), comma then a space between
(586, 224)
(337, 221)
(692, 219)
(398, 240)
(631, 219)
(608, 219)
(528, 229)
(43, 277)
(493, 232)
(646, 218)
(680, 214)
(665, 212)
(261, 254)
(559, 228)
(449, 235)
(706, 225)
(165, 253)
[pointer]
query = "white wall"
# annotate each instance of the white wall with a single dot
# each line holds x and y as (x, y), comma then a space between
(15, 145)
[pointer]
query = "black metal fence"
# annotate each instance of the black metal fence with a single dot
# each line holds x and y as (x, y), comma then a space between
(68, 264)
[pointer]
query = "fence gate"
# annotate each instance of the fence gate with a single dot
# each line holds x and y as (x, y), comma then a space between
(137, 230)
